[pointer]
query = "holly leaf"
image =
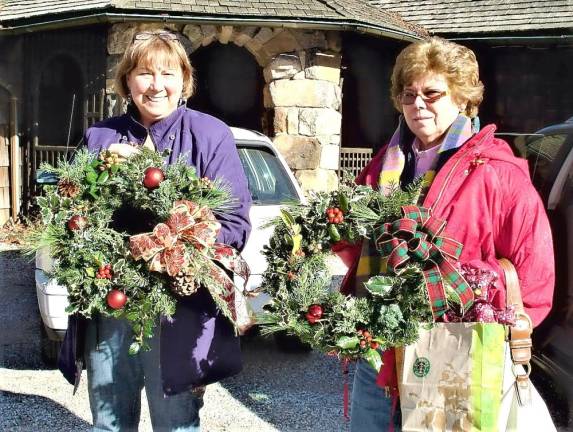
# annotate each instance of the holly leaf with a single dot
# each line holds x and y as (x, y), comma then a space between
(91, 176)
(373, 358)
(288, 239)
(347, 342)
(343, 199)
(287, 218)
(103, 177)
(54, 201)
(93, 191)
(98, 259)
(296, 243)
(59, 218)
(90, 271)
(46, 214)
(42, 202)
(380, 286)
(66, 203)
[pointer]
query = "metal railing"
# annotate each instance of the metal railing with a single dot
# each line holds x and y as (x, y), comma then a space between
(353, 160)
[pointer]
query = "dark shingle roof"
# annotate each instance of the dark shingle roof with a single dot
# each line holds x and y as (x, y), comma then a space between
(343, 12)
(483, 16)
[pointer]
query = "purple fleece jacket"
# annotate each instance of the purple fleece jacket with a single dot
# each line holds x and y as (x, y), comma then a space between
(198, 346)
(209, 146)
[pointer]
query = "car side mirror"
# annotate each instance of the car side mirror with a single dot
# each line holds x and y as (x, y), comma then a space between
(46, 178)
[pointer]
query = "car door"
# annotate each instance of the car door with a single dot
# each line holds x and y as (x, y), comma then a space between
(550, 158)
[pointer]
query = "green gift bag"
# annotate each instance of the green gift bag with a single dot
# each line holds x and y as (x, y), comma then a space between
(451, 378)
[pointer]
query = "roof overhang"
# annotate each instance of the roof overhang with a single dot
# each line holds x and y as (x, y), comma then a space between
(28, 26)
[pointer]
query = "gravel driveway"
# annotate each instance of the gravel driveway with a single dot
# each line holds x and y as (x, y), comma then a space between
(275, 392)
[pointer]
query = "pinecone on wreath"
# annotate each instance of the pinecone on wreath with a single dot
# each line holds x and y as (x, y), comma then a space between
(68, 188)
(183, 283)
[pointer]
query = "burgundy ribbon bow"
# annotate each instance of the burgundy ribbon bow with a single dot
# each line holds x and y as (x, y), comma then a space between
(164, 249)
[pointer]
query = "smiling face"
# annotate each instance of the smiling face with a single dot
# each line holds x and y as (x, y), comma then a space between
(426, 119)
(155, 89)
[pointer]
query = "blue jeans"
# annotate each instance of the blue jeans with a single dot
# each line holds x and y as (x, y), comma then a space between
(116, 378)
(371, 407)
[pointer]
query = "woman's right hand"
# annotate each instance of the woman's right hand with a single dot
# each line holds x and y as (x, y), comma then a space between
(123, 151)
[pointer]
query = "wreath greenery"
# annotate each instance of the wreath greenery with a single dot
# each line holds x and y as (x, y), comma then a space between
(138, 277)
(298, 277)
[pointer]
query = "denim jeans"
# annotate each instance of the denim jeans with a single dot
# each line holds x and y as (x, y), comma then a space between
(371, 407)
(116, 378)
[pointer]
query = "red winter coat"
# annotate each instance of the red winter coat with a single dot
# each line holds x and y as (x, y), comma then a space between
(486, 196)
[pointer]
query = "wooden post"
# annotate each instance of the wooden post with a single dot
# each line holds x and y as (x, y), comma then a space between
(15, 173)
(4, 175)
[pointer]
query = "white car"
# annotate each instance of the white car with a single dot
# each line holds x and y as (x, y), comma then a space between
(271, 184)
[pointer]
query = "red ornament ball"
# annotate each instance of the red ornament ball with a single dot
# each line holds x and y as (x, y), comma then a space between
(77, 222)
(116, 299)
(152, 177)
(314, 313)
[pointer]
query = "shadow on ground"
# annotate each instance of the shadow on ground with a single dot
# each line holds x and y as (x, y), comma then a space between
(27, 409)
(19, 314)
(303, 390)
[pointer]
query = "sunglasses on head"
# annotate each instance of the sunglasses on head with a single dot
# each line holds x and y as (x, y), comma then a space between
(408, 97)
(165, 35)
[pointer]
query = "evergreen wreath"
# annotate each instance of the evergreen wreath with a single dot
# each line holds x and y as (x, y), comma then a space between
(136, 277)
(397, 303)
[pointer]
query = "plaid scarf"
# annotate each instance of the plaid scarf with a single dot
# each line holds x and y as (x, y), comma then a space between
(371, 263)
(395, 159)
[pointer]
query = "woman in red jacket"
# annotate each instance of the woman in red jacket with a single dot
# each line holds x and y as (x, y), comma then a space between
(475, 183)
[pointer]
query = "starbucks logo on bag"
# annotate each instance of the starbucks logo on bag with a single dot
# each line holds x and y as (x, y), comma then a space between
(421, 367)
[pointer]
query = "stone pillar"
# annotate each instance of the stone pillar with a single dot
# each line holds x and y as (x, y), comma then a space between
(302, 93)
(304, 90)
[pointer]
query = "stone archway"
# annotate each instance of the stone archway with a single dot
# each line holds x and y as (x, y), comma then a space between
(228, 84)
(302, 93)
(302, 90)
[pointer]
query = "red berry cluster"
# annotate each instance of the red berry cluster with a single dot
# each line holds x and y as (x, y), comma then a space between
(366, 339)
(104, 272)
(314, 313)
(335, 215)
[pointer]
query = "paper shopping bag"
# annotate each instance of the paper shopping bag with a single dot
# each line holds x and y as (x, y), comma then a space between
(451, 378)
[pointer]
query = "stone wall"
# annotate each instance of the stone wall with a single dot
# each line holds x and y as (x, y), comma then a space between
(302, 93)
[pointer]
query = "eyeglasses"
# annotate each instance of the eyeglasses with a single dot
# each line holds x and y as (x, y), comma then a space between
(408, 97)
(146, 35)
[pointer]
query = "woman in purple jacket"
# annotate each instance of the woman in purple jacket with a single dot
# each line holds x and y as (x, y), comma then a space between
(156, 77)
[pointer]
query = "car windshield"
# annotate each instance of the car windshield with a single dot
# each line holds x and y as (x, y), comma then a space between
(545, 154)
(269, 183)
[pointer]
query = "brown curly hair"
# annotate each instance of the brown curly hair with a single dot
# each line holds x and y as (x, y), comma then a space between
(457, 63)
(151, 51)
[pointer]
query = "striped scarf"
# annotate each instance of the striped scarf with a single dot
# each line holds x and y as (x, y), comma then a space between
(371, 263)
(394, 160)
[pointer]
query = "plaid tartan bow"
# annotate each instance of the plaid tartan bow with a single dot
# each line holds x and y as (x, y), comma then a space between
(416, 237)
(165, 251)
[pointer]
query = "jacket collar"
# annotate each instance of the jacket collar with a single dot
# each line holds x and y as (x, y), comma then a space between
(157, 130)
